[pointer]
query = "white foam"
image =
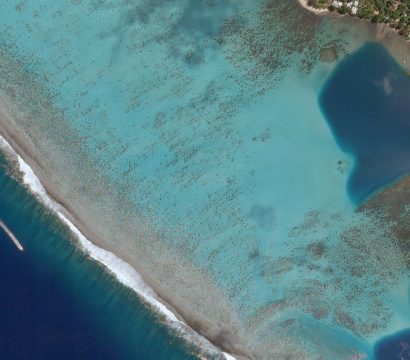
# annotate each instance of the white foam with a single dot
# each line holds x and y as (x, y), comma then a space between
(228, 357)
(123, 272)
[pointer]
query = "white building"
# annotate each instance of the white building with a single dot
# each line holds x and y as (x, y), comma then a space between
(352, 5)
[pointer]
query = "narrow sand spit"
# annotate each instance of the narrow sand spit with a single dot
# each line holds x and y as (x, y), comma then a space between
(304, 3)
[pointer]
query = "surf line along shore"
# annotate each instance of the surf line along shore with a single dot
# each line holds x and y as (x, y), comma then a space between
(11, 235)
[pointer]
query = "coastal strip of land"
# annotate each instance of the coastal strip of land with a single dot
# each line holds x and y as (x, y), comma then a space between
(394, 14)
(130, 273)
(11, 236)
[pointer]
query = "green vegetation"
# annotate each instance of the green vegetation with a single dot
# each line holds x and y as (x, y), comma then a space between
(395, 13)
(319, 4)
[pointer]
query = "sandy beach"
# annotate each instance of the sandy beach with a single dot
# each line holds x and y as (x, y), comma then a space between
(304, 3)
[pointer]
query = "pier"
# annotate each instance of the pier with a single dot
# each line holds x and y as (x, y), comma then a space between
(11, 235)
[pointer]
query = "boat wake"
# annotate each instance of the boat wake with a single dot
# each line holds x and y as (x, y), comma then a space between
(11, 236)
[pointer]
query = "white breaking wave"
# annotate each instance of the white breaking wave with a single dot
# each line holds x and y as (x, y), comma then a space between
(228, 356)
(123, 272)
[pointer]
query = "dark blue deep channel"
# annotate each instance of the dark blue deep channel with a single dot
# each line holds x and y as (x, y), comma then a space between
(394, 347)
(55, 304)
(366, 102)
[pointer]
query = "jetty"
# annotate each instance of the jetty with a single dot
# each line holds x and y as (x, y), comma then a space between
(11, 235)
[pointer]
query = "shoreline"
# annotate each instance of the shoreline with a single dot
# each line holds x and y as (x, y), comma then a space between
(117, 264)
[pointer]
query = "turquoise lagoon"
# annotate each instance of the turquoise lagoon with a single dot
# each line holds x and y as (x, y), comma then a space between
(187, 138)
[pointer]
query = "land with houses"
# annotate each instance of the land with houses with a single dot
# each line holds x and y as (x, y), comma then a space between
(395, 13)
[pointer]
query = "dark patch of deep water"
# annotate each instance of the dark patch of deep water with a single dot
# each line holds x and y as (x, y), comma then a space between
(394, 347)
(366, 102)
(57, 304)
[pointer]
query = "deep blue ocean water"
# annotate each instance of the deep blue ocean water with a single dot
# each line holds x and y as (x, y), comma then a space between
(57, 304)
(366, 102)
(394, 347)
